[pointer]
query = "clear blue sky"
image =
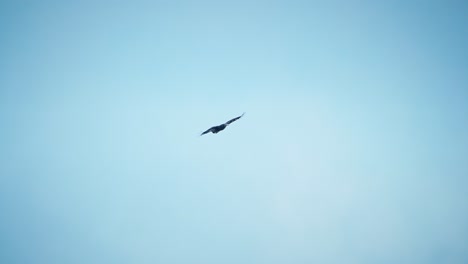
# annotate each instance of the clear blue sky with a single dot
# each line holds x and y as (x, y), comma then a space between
(353, 149)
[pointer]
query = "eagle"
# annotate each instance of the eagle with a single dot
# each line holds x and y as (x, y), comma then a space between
(221, 127)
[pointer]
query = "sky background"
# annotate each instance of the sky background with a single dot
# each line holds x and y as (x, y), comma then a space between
(353, 148)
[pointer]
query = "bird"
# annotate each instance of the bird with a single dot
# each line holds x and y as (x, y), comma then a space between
(221, 127)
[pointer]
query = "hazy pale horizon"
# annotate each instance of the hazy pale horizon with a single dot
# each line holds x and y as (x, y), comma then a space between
(353, 148)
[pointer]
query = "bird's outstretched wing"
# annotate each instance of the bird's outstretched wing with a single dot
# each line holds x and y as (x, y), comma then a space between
(207, 131)
(234, 119)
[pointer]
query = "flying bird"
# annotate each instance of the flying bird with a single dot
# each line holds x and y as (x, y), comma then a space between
(221, 127)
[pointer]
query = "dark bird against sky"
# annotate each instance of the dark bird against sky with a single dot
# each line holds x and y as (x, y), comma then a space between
(221, 127)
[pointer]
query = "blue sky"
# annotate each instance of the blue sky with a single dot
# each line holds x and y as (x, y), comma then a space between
(353, 148)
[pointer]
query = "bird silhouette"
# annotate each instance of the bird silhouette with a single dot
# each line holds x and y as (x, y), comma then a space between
(221, 127)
